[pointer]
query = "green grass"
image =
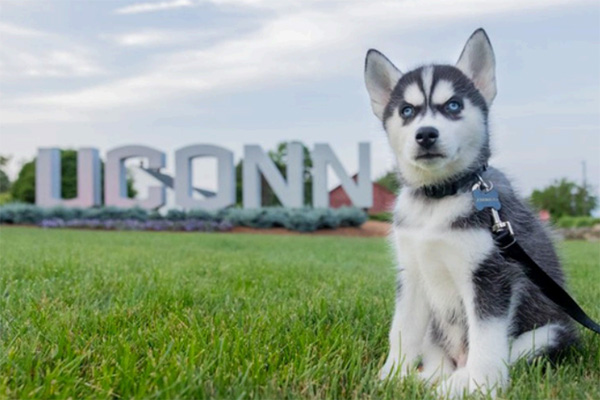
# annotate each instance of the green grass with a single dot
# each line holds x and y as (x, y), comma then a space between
(87, 314)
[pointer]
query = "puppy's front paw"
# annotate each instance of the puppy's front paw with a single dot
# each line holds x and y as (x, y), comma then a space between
(432, 373)
(387, 371)
(392, 369)
(463, 382)
(458, 384)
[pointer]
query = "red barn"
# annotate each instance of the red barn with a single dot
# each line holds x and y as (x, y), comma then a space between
(383, 199)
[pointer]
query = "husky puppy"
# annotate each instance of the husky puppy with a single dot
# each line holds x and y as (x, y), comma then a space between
(463, 313)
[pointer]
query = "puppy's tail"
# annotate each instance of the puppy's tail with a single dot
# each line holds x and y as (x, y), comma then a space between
(549, 339)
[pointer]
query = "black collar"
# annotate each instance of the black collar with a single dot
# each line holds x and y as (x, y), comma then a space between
(453, 187)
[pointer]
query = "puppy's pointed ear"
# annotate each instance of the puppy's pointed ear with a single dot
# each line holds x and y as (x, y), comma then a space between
(478, 63)
(380, 77)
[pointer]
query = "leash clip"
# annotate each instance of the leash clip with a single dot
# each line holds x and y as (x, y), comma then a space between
(485, 196)
(502, 230)
(482, 184)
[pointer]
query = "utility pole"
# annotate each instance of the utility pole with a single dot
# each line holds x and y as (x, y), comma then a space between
(584, 173)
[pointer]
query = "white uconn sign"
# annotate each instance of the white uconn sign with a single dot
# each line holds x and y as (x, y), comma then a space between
(256, 163)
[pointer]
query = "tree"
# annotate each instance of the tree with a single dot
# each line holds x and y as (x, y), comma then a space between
(390, 181)
(4, 181)
(279, 158)
(23, 188)
(564, 198)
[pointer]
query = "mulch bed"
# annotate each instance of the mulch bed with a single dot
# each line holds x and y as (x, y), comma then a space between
(368, 229)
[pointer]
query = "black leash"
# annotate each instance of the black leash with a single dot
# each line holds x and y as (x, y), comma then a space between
(486, 197)
(512, 249)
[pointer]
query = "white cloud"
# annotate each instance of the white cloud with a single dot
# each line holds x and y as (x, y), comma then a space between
(28, 53)
(311, 43)
(165, 37)
(154, 6)
(10, 115)
(306, 44)
(146, 38)
(43, 64)
(7, 29)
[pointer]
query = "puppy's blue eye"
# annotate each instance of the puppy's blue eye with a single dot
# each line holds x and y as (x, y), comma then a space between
(407, 111)
(453, 107)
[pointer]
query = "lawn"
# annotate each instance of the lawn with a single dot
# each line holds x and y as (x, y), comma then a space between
(176, 315)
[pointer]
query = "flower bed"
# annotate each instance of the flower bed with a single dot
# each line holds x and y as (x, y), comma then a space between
(136, 225)
(296, 219)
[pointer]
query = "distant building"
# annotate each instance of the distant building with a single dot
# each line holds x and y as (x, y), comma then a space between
(383, 199)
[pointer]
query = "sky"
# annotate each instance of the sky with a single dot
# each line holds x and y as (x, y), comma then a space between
(172, 73)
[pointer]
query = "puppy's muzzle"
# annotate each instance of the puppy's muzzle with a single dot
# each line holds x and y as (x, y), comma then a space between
(427, 136)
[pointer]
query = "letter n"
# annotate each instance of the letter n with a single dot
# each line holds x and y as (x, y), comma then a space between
(256, 162)
(359, 192)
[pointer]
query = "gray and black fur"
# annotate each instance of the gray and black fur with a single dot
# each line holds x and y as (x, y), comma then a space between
(436, 118)
(498, 279)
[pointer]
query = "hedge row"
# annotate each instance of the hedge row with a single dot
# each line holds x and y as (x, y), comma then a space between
(577, 222)
(298, 219)
(382, 216)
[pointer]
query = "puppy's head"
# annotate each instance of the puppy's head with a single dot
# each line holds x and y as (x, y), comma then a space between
(436, 116)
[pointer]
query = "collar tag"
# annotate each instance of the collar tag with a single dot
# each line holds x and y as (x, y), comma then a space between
(485, 196)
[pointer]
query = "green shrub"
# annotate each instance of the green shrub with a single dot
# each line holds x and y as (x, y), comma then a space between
(64, 213)
(239, 216)
(577, 222)
(21, 213)
(136, 213)
(350, 216)
(114, 213)
(303, 220)
(5, 198)
(201, 215)
(155, 216)
(382, 216)
(299, 219)
(328, 218)
(175, 215)
(91, 213)
(271, 217)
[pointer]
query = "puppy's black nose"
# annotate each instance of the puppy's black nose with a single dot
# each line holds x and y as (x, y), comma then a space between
(426, 136)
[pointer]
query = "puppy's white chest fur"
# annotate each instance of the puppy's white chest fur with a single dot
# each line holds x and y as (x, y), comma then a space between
(436, 257)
